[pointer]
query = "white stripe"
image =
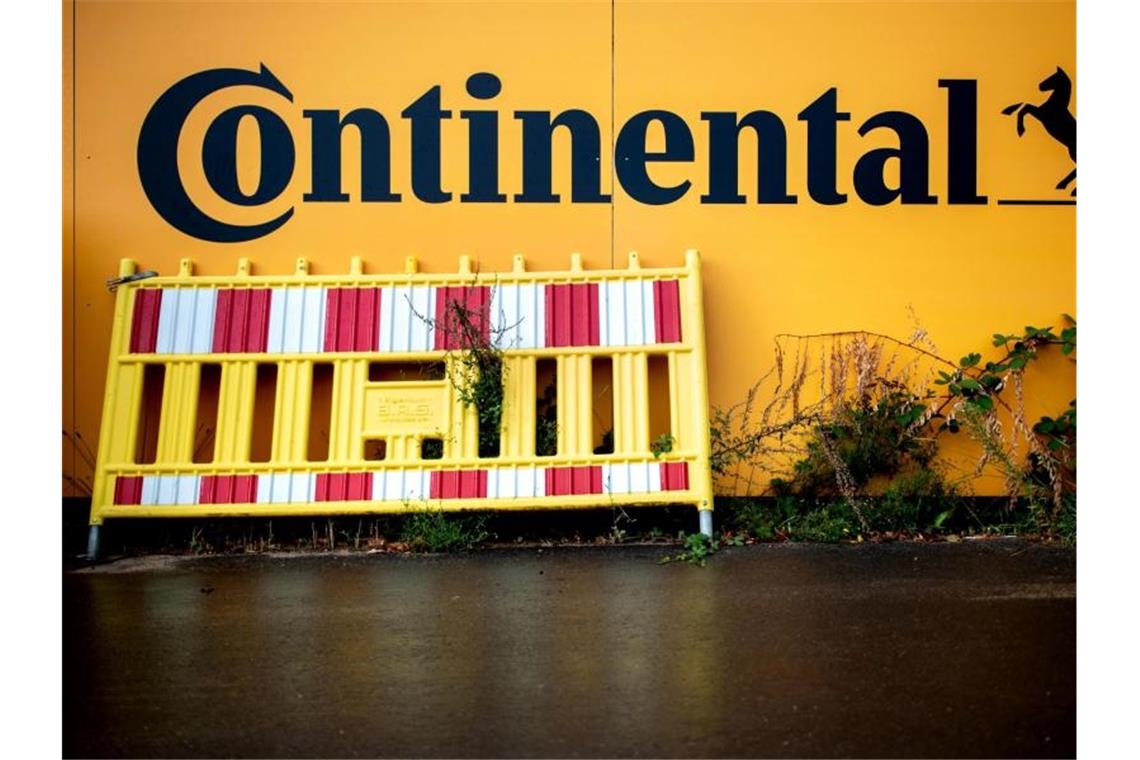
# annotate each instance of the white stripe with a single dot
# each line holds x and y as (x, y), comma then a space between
(169, 489)
(401, 485)
(186, 489)
(266, 485)
(615, 478)
(514, 482)
(167, 321)
(504, 300)
(625, 313)
(297, 319)
(150, 489)
(286, 488)
(648, 313)
(205, 309)
(654, 484)
(604, 314)
(275, 342)
(631, 477)
(406, 312)
(184, 327)
(313, 319)
(178, 320)
(518, 315)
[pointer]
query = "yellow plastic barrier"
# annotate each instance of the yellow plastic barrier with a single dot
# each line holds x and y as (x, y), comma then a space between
(333, 395)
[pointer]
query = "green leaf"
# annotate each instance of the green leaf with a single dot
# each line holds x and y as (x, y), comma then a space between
(985, 403)
(1019, 362)
(1068, 348)
(989, 382)
(970, 384)
(970, 360)
(942, 517)
(999, 339)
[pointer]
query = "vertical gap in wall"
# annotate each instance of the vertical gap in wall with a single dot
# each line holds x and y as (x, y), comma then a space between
(613, 135)
(320, 412)
(264, 406)
(206, 416)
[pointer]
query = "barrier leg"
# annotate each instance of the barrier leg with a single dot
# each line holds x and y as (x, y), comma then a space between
(93, 542)
(706, 521)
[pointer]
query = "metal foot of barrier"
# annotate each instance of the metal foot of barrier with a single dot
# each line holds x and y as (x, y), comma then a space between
(706, 522)
(93, 542)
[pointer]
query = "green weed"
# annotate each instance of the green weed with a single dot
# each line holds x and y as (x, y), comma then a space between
(435, 531)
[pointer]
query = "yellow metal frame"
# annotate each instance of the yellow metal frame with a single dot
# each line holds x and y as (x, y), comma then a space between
(688, 401)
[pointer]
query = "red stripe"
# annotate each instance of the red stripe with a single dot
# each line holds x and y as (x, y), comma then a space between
(241, 321)
(674, 476)
(245, 489)
(350, 321)
(572, 315)
(332, 320)
(144, 321)
(223, 306)
(128, 489)
(224, 490)
(359, 486)
(258, 337)
(206, 489)
(667, 310)
(322, 490)
(228, 489)
(344, 486)
(458, 484)
(367, 324)
(567, 481)
(475, 301)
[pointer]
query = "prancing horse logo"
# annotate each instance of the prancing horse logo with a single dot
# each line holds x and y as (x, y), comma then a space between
(1054, 115)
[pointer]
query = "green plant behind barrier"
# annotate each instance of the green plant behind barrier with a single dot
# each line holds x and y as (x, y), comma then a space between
(865, 449)
(662, 444)
(476, 372)
(546, 422)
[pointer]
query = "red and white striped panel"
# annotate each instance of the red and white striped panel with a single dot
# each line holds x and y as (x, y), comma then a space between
(315, 319)
(413, 485)
(518, 315)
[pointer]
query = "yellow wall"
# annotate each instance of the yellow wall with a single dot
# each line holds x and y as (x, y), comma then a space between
(967, 270)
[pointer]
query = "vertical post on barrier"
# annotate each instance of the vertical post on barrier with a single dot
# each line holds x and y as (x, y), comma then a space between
(702, 482)
(120, 409)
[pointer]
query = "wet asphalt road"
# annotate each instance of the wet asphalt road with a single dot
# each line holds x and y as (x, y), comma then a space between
(891, 650)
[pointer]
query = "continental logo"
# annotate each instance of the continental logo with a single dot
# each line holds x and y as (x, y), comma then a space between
(822, 118)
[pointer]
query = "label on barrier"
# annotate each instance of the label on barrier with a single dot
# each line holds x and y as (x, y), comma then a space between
(302, 394)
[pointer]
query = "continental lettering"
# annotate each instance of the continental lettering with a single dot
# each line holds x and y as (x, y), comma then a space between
(547, 137)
